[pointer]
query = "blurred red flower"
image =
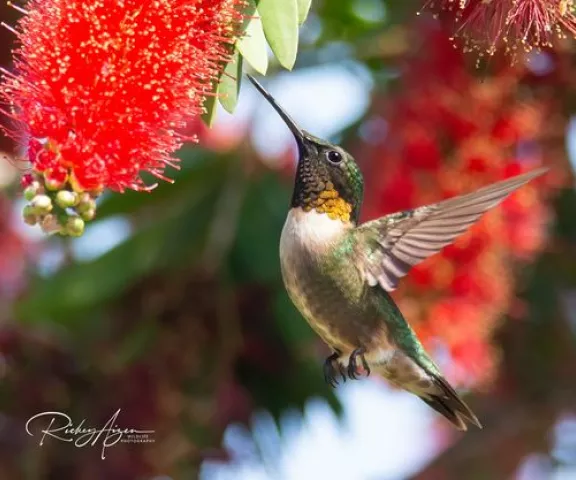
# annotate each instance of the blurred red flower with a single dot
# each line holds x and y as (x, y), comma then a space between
(449, 133)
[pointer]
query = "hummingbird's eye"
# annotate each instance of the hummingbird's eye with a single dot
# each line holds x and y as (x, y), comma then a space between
(333, 156)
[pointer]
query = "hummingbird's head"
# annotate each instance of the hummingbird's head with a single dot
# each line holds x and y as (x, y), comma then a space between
(328, 179)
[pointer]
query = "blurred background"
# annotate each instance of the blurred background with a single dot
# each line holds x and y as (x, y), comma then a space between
(172, 309)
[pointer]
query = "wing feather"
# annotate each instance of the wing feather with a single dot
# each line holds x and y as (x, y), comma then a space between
(399, 241)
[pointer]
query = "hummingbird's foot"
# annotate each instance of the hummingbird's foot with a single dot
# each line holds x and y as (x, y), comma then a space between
(329, 370)
(353, 363)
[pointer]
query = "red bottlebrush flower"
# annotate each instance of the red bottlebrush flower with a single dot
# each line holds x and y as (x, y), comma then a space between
(511, 25)
(103, 90)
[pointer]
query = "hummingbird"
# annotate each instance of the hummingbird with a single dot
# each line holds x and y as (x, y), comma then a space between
(339, 273)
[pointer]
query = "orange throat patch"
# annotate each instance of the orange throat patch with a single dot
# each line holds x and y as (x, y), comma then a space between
(328, 201)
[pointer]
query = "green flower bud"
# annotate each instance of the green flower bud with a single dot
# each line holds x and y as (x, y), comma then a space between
(29, 215)
(30, 192)
(42, 203)
(88, 214)
(53, 185)
(85, 205)
(75, 226)
(66, 199)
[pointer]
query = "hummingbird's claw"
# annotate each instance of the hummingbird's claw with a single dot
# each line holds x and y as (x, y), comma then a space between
(342, 372)
(365, 365)
(353, 364)
(330, 371)
(352, 371)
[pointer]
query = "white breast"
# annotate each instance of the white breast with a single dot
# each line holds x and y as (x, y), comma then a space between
(309, 233)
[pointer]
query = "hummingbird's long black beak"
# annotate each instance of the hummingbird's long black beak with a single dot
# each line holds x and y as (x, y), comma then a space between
(292, 125)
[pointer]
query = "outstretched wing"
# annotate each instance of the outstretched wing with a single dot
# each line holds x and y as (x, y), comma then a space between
(389, 246)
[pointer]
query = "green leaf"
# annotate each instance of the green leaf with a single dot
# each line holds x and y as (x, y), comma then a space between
(280, 21)
(230, 83)
(303, 9)
(253, 44)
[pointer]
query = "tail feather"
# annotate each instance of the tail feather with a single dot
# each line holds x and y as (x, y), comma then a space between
(448, 403)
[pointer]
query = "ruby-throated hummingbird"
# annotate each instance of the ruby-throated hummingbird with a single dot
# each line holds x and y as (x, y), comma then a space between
(339, 273)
